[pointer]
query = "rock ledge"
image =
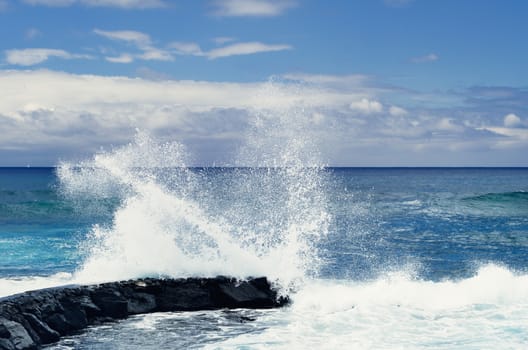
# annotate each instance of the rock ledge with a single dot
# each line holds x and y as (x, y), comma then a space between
(31, 319)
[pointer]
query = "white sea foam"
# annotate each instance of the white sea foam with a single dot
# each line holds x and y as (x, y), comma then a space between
(489, 310)
(9, 286)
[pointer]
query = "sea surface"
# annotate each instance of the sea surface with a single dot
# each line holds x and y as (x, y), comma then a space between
(373, 258)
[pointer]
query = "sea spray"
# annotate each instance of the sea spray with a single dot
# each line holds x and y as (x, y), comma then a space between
(170, 222)
(286, 181)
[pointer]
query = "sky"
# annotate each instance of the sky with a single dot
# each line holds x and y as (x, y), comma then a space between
(373, 82)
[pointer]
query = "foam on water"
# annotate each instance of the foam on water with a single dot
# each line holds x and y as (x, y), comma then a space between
(489, 310)
(10, 286)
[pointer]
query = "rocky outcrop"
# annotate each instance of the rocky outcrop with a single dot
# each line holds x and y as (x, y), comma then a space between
(35, 318)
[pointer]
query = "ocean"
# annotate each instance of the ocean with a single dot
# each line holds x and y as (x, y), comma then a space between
(373, 258)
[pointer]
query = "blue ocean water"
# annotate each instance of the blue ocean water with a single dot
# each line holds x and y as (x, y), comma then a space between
(374, 257)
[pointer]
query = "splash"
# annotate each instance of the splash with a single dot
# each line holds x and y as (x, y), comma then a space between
(171, 220)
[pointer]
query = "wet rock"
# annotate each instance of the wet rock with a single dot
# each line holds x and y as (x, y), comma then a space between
(45, 333)
(29, 320)
(111, 303)
(18, 336)
(141, 303)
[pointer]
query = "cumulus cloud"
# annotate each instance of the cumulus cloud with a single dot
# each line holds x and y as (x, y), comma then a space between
(62, 111)
(366, 106)
(432, 57)
(30, 57)
(447, 124)
(397, 111)
(63, 115)
(254, 8)
(125, 4)
(512, 121)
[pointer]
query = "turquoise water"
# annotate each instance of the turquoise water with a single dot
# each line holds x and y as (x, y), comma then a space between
(370, 255)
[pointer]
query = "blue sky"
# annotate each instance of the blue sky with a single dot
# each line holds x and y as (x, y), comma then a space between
(381, 82)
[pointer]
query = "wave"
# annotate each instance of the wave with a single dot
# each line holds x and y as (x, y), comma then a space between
(516, 197)
(497, 204)
(491, 285)
(262, 220)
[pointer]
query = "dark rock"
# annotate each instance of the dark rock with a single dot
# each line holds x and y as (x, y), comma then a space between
(243, 295)
(45, 333)
(20, 319)
(5, 344)
(4, 332)
(141, 303)
(111, 303)
(85, 303)
(187, 295)
(31, 319)
(19, 337)
(74, 314)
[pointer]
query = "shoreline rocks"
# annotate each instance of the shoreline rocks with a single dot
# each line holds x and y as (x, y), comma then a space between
(31, 319)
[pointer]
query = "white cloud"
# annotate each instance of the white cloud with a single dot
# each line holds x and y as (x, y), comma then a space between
(447, 124)
(67, 115)
(123, 58)
(151, 74)
(511, 121)
(154, 54)
(354, 79)
(366, 106)
(137, 38)
(184, 48)
(245, 49)
(248, 48)
(80, 112)
(260, 8)
(396, 111)
(424, 59)
(143, 42)
(125, 4)
(30, 57)
(510, 132)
